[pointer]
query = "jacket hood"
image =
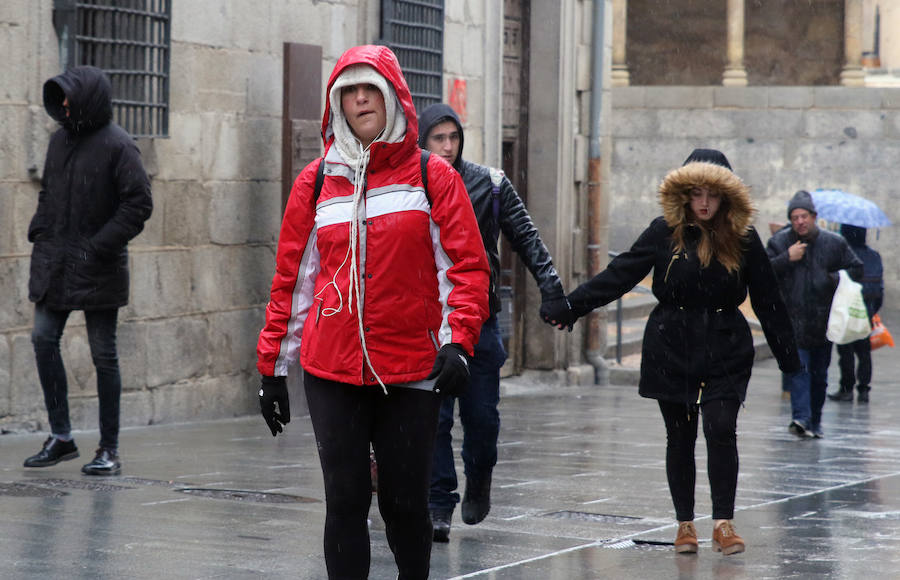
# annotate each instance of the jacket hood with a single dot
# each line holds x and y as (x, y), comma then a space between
(383, 60)
(675, 194)
(722, 237)
(855, 235)
(90, 99)
(434, 115)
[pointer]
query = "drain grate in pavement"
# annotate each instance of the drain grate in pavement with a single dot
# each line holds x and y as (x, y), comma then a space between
(152, 482)
(26, 490)
(245, 495)
(640, 544)
(590, 517)
(79, 484)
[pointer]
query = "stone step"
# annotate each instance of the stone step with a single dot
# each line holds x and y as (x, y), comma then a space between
(635, 304)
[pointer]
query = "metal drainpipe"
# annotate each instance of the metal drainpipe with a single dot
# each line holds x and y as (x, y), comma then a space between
(596, 342)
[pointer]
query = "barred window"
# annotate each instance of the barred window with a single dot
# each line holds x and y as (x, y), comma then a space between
(414, 30)
(130, 41)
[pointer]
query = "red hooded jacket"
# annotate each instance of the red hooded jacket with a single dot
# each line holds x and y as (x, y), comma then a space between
(422, 269)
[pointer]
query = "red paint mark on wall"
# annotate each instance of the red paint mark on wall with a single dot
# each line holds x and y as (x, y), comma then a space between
(456, 88)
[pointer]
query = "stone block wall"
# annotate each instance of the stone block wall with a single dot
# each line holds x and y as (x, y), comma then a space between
(202, 268)
(778, 139)
(683, 42)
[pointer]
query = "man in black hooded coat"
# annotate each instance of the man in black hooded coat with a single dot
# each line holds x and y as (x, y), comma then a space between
(94, 198)
(498, 208)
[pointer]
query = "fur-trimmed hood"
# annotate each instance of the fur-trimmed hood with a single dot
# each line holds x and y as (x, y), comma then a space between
(722, 237)
(675, 192)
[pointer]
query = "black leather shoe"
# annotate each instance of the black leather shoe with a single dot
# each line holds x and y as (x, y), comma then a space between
(440, 519)
(477, 502)
(842, 396)
(106, 462)
(54, 451)
(863, 394)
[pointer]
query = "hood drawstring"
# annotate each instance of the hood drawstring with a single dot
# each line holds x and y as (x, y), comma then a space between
(359, 190)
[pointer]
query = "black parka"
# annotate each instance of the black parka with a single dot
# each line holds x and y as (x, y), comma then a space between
(94, 198)
(512, 219)
(697, 344)
(808, 284)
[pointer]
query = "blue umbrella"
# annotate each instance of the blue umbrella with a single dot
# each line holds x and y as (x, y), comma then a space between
(841, 207)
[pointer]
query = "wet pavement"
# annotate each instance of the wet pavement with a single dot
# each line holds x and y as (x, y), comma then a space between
(579, 492)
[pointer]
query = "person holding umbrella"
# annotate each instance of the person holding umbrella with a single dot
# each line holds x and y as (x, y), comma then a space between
(873, 296)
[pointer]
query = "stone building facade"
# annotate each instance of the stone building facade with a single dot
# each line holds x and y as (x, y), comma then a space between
(202, 267)
(785, 93)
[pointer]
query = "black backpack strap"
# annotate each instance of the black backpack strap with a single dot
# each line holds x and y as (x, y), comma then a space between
(496, 179)
(425, 155)
(320, 176)
(320, 179)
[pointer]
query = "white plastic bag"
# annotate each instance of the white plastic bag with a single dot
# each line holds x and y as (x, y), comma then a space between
(848, 320)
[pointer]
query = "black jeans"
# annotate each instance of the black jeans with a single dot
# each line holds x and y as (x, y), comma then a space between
(401, 427)
(101, 330)
(720, 429)
(862, 350)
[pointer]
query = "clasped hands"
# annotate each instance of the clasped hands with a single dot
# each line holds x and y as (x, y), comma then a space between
(556, 311)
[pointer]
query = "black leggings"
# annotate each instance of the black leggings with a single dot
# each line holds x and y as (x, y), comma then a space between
(720, 430)
(401, 427)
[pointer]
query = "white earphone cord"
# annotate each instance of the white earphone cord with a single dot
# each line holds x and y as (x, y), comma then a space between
(353, 276)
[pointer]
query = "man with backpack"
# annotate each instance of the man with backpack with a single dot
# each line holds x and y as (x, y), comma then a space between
(498, 208)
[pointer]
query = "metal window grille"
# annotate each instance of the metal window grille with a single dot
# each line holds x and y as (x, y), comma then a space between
(130, 41)
(414, 30)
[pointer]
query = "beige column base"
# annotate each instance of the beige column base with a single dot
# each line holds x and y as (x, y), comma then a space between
(853, 77)
(734, 77)
(620, 76)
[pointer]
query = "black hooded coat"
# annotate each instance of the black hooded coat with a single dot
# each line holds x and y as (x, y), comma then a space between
(873, 269)
(697, 344)
(94, 198)
(512, 218)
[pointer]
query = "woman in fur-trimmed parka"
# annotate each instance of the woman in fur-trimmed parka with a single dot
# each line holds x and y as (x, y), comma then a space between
(698, 351)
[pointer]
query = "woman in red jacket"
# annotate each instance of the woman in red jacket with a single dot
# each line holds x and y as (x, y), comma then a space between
(380, 286)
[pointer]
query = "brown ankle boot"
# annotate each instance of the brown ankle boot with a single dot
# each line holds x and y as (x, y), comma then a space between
(726, 540)
(686, 540)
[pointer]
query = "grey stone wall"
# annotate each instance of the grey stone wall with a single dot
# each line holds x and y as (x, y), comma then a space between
(778, 139)
(201, 270)
(682, 42)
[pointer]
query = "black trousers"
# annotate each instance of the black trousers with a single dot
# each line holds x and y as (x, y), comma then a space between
(101, 331)
(862, 350)
(401, 428)
(720, 429)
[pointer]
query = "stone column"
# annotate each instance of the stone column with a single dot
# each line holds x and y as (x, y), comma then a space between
(735, 75)
(852, 74)
(620, 75)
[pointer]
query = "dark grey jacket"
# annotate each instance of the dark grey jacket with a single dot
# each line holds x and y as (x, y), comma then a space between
(514, 221)
(808, 284)
(94, 198)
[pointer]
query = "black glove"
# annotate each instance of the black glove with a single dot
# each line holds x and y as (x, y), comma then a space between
(451, 367)
(558, 312)
(274, 390)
